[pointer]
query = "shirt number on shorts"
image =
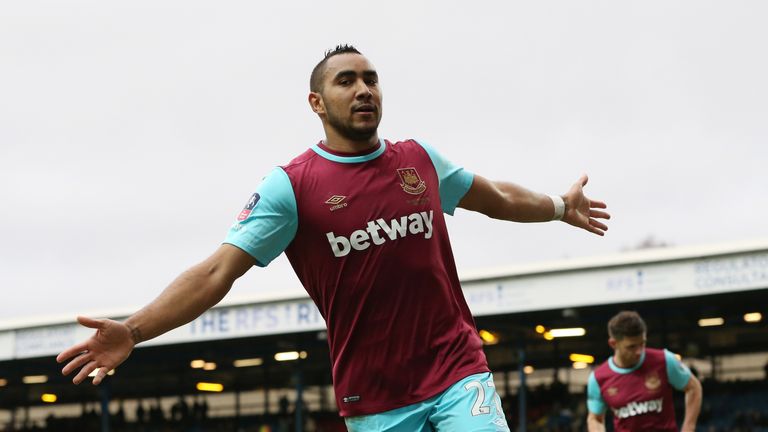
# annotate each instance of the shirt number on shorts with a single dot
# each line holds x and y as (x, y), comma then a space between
(477, 407)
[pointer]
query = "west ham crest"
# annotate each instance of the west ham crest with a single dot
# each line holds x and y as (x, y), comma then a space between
(652, 381)
(410, 181)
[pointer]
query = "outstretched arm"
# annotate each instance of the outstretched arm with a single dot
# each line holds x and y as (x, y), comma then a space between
(693, 395)
(508, 201)
(187, 297)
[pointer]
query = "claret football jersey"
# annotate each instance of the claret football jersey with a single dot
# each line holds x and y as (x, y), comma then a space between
(639, 397)
(366, 236)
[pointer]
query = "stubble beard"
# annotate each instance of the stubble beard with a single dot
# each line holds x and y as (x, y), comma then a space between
(347, 130)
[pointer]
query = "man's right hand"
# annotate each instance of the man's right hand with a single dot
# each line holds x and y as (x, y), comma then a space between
(186, 298)
(105, 350)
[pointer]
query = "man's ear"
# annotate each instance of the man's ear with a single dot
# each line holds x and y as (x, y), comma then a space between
(612, 343)
(316, 102)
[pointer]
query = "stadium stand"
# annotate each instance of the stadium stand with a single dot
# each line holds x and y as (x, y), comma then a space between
(516, 307)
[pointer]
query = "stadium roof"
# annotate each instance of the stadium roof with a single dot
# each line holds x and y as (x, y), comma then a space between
(631, 257)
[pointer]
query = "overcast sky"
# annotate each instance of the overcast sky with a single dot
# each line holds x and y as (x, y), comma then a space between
(132, 133)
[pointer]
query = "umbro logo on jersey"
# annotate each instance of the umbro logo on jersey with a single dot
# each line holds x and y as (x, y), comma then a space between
(410, 181)
(414, 223)
(336, 202)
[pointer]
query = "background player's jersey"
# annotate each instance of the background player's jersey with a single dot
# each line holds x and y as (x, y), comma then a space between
(640, 397)
(366, 236)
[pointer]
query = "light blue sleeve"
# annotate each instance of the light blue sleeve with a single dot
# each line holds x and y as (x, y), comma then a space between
(595, 402)
(455, 181)
(677, 373)
(268, 223)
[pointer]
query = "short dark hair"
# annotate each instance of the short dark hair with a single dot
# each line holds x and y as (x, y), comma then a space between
(626, 324)
(316, 79)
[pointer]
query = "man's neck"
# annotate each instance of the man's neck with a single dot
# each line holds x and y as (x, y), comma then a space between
(343, 144)
(621, 364)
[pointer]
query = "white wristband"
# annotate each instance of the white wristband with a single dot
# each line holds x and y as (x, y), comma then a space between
(559, 204)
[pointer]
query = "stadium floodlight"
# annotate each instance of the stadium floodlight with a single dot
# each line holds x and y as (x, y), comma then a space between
(528, 370)
(49, 398)
(3, 382)
(753, 317)
(209, 366)
(488, 338)
(548, 336)
(35, 379)
(291, 355)
(540, 329)
(197, 364)
(580, 365)
(210, 387)
(711, 322)
(567, 332)
(583, 358)
(248, 362)
(287, 356)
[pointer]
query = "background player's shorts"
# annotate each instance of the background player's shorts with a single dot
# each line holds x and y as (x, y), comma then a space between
(469, 405)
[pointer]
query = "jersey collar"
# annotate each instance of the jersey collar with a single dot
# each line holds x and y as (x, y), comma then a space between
(619, 370)
(351, 159)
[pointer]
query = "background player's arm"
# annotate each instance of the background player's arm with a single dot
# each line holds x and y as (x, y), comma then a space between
(596, 405)
(693, 396)
(187, 297)
(508, 201)
(595, 422)
(681, 378)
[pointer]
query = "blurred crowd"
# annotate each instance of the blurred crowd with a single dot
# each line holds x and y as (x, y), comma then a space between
(735, 406)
